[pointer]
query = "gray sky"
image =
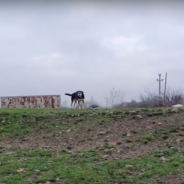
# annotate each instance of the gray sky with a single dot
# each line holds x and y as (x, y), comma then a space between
(56, 47)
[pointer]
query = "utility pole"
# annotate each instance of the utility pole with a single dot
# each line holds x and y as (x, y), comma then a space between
(165, 89)
(159, 80)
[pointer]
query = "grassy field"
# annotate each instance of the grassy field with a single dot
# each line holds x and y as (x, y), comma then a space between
(138, 146)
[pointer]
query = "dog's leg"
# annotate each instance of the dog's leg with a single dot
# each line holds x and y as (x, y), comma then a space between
(79, 104)
(71, 104)
(83, 104)
(74, 104)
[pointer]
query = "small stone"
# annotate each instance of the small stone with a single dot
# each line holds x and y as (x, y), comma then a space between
(175, 110)
(125, 175)
(128, 140)
(21, 170)
(105, 156)
(69, 152)
(57, 179)
(132, 112)
(108, 150)
(113, 143)
(69, 147)
(129, 166)
(47, 147)
(178, 140)
(102, 133)
(181, 133)
(138, 117)
(163, 159)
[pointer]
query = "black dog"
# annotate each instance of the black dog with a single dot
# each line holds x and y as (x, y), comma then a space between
(77, 97)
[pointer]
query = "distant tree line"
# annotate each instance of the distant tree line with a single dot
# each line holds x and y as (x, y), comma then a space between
(149, 99)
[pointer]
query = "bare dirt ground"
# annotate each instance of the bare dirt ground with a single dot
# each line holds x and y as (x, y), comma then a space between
(119, 139)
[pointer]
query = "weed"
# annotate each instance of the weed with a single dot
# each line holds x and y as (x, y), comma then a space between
(146, 138)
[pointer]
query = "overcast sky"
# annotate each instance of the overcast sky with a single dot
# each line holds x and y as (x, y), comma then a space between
(57, 48)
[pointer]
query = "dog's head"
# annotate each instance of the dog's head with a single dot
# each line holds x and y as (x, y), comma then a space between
(80, 94)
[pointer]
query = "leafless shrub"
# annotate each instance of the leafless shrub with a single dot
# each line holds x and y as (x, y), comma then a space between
(151, 99)
(115, 99)
(174, 97)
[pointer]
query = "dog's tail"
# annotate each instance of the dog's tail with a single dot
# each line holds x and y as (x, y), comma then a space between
(68, 94)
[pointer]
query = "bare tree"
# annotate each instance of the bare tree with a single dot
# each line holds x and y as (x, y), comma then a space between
(171, 97)
(115, 99)
(174, 97)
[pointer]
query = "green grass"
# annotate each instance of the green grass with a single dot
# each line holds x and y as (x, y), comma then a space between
(21, 122)
(88, 167)
(160, 134)
(28, 166)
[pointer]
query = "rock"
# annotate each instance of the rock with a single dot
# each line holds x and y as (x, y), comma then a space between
(165, 137)
(132, 112)
(125, 175)
(9, 153)
(69, 147)
(47, 147)
(133, 131)
(129, 166)
(181, 133)
(129, 140)
(128, 134)
(163, 159)
(138, 116)
(175, 110)
(113, 143)
(105, 156)
(102, 133)
(21, 170)
(57, 179)
(69, 152)
(108, 150)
